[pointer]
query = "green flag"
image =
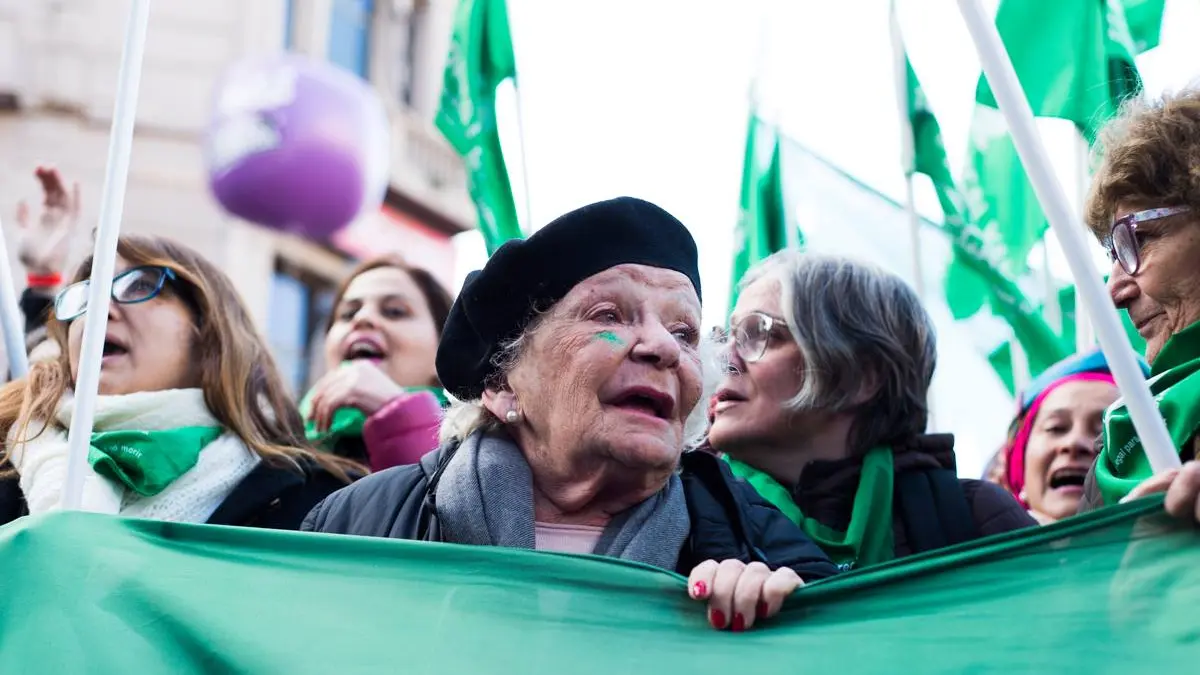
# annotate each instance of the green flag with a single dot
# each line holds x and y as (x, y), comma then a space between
(975, 269)
(481, 57)
(1112, 591)
(1145, 19)
(764, 226)
(1074, 60)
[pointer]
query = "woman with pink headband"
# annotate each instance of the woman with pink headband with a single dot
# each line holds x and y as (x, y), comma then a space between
(1052, 440)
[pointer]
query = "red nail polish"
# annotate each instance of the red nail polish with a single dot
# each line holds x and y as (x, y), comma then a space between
(739, 623)
(717, 618)
(699, 590)
(761, 610)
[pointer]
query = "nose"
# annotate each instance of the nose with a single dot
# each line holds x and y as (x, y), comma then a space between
(364, 317)
(1121, 287)
(1079, 443)
(657, 346)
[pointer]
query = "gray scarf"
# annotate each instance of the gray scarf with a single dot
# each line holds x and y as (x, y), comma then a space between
(485, 497)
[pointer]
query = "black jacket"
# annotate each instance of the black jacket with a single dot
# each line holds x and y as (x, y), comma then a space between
(269, 497)
(729, 519)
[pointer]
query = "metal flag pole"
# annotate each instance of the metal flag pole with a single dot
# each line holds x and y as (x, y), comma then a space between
(104, 255)
(1159, 449)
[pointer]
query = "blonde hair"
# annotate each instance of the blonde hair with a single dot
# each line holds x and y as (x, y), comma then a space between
(242, 385)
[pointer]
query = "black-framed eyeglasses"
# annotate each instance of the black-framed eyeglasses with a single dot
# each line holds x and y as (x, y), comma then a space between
(130, 287)
(752, 335)
(1123, 243)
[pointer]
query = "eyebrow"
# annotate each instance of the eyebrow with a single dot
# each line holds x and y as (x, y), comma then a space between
(734, 319)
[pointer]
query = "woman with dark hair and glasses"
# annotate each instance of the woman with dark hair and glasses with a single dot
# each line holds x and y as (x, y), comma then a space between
(1144, 207)
(823, 410)
(193, 422)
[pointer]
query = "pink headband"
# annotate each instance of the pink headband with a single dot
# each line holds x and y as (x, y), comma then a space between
(1015, 455)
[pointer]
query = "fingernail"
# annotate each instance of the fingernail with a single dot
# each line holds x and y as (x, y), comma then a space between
(717, 618)
(699, 589)
(761, 610)
(739, 623)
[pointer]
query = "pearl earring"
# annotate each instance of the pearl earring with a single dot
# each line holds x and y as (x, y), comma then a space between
(512, 416)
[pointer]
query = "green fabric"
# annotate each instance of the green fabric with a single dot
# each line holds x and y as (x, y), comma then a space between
(1074, 60)
(868, 539)
(1175, 384)
(148, 461)
(348, 422)
(1145, 18)
(481, 57)
(976, 273)
(764, 225)
(1112, 592)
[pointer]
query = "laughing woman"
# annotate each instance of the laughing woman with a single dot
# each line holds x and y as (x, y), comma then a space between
(193, 422)
(380, 402)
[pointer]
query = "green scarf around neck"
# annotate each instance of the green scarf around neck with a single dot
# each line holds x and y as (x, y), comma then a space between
(348, 422)
(1175, 385)
(148, 461)
(869, 539)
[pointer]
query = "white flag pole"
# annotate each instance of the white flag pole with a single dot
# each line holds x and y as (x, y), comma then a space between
(1085, 337)
(10, 317)
(1159, 449)
(908, 161)
(104, 255)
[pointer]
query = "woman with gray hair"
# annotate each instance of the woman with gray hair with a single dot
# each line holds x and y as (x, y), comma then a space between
(577, 352)
(824, 406)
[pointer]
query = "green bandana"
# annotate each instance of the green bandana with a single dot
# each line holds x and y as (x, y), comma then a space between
(1175, 384)
(348, 422)
(869, 538)
(148, 461)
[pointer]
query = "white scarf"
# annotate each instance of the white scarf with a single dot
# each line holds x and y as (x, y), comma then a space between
(192, 498)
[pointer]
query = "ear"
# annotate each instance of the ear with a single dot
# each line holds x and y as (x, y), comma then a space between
(867, 389)
(499, 402)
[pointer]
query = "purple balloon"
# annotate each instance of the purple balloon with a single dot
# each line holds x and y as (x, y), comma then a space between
(297, 145)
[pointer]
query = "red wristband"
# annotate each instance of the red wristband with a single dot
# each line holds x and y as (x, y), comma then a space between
(43, 280)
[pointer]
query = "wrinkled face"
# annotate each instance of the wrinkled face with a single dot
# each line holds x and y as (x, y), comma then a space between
(750, 410)
(1061, 445)
(384, 318)
(612, 372)
(149, 346)
(1163, 298)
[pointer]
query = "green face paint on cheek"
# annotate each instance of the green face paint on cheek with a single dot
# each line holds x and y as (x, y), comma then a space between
(611, 338)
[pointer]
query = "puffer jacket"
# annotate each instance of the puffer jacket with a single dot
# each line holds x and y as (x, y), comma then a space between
(729, 519)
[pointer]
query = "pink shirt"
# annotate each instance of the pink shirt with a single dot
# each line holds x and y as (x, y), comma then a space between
(566, 538)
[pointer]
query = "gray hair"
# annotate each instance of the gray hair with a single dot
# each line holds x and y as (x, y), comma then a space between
(464, 418)
(860, 330)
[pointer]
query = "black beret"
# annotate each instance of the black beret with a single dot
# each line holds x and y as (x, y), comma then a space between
(498, 301)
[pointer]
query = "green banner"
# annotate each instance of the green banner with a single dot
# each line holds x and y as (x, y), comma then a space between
(1114, 591)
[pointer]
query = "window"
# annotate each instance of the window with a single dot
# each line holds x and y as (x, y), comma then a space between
(349, 34)
(299, 304)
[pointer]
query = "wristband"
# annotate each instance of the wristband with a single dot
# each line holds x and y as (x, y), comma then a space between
(43, 280)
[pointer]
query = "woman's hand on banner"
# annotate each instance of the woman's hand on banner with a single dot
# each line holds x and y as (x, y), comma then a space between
(739, 594)
(1182, 486)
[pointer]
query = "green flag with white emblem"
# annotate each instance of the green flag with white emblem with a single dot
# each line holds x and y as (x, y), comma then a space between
(481, 57)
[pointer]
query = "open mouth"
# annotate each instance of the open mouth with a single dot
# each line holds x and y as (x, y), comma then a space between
(645, 401)
(114, 348)
(1068, 477)
(364, 349)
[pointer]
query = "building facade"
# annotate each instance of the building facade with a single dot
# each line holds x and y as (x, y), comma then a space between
(58, 73)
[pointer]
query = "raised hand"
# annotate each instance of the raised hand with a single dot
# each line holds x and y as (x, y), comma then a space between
(44, 241)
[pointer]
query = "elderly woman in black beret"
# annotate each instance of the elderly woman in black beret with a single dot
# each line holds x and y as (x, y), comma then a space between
(577, 355)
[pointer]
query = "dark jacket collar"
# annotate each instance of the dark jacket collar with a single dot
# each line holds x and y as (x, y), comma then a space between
(257, 491)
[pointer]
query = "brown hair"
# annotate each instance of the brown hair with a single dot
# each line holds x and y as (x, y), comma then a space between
(1150, 158)
(242, 385)
(436, 295)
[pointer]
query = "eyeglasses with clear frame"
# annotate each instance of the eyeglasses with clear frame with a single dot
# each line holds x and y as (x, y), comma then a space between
(1123, 244)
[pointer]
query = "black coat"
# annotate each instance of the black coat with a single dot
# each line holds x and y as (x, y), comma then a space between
(729, 519)
(270, 497)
